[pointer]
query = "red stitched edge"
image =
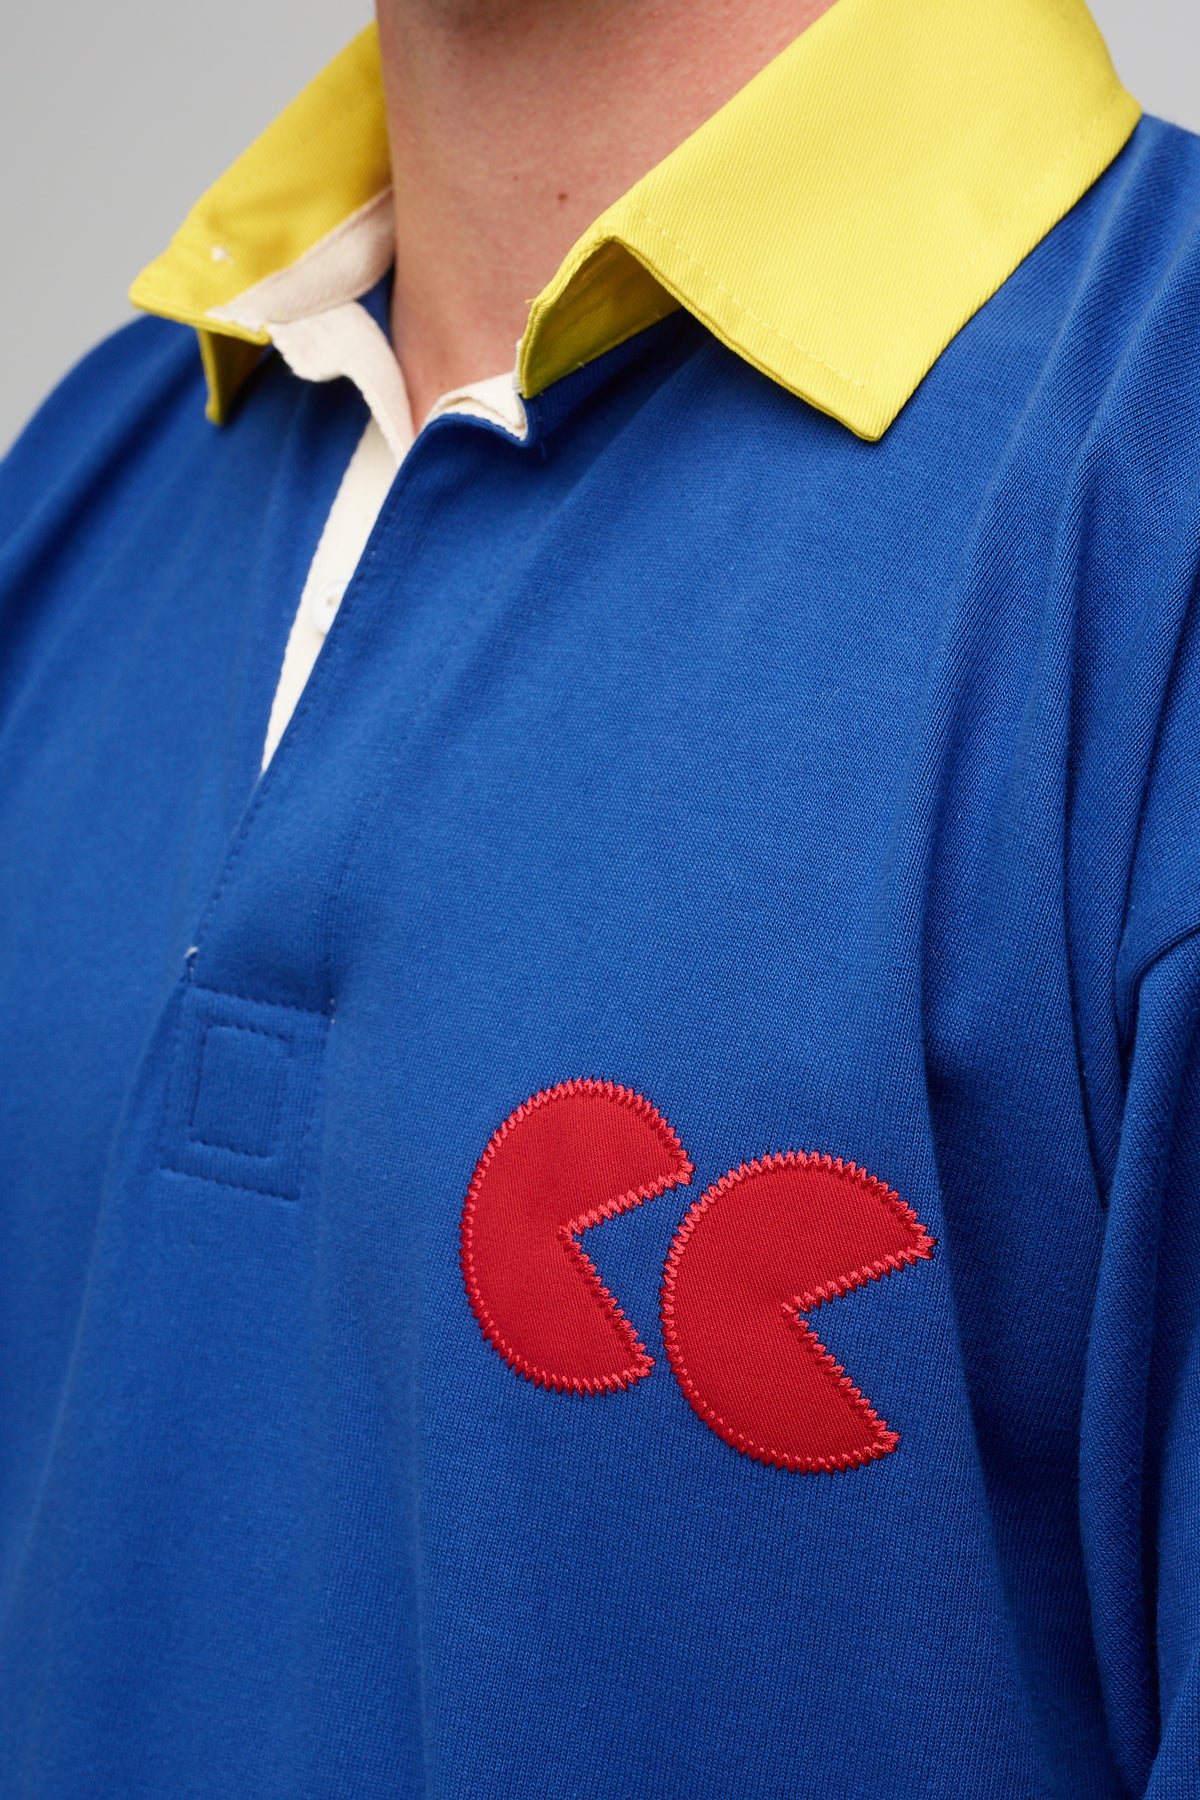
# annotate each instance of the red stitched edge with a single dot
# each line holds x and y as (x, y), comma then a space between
(885, 1439)
(641, 1361)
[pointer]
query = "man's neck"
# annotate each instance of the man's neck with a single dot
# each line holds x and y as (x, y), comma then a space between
(514, 123)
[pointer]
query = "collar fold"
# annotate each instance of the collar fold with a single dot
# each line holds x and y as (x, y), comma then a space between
(835, 224)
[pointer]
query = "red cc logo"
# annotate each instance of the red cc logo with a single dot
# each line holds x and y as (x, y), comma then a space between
(768, 1244)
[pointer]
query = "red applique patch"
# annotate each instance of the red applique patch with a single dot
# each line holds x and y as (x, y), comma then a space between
(769, 1241)
(569, 1158)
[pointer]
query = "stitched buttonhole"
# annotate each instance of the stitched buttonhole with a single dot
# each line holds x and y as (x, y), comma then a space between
(240, 1090)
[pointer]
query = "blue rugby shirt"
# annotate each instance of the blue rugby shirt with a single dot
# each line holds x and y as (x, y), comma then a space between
(733, 799)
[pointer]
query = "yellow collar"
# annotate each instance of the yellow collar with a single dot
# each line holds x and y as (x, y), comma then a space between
(836, 224)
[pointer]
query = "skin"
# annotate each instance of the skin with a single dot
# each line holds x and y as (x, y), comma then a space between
(514, 123)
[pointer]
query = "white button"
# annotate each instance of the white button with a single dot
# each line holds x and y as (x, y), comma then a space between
(324, 605)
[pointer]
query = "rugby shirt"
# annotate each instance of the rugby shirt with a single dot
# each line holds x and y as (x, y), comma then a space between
(625, 1219)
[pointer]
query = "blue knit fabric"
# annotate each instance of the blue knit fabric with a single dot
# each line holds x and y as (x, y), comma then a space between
(837, 797)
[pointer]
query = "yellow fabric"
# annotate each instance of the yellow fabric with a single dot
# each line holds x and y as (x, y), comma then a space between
(836, 224)
(324, 157)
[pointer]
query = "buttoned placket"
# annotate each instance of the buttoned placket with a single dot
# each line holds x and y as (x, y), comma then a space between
(343, 340)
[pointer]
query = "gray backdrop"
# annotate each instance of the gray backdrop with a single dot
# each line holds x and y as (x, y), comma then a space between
(115, 117)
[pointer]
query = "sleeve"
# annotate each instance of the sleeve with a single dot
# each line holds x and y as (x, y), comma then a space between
(1140, 1462)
